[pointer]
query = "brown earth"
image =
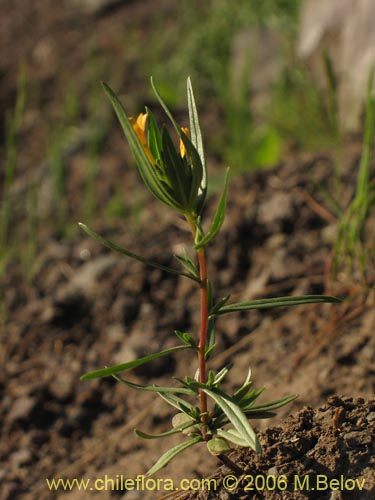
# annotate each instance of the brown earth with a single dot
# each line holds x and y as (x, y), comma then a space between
(86, 308)
(82, 308)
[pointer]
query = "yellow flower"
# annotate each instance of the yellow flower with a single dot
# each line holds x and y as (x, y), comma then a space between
(140, 128)
(183, 151)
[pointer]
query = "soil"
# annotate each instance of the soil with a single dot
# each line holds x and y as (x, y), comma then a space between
(83, 308)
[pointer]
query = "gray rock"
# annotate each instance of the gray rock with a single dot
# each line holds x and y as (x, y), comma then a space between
(345, 29)
(21, 457)
(21, 409)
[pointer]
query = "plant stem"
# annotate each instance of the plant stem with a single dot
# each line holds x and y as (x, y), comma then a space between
(203, 328)
(202, 336)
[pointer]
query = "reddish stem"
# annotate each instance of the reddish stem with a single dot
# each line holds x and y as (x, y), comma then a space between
(203, 335)
(203, 329)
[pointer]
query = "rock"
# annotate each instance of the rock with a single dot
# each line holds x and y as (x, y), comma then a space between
(257, 47)
(61, 387)
(273, 471)
(276, 208)
(21, 457)
(345, 29)
(21, 409)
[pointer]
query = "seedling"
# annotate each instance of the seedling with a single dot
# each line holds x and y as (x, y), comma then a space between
(177, 177)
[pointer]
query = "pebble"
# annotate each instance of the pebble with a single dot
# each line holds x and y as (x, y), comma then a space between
(273, 471)
(21, 409)
(354, 438)
(21, 457)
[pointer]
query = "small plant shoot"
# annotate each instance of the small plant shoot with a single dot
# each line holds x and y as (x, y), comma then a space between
(177, 177)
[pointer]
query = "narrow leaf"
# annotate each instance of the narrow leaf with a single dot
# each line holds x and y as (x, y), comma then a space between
(188, 263)
(155, 388)
(236, 417)
(248, 399)
(165, 107)
(176, 402)
(196, 167)
(170, 454)
(219, 305)
(218, 219)
(211, 339)
(154, 137)
(222, 373)
(241, 392)
(176, 430)
(133, 255)
(145, 168)
(277, 302)
(174, 169)
(233, 436)
(186, 338)
(273, 405)
(259, 415)
(195, 132)
(113, 370)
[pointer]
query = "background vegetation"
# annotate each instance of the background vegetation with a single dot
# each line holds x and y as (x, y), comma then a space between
(253, 116)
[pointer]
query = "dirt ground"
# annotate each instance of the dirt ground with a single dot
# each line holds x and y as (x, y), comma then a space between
(84, 308)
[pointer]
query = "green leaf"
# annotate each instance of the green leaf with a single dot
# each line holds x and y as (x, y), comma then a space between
(188, 264)
(181, 419)
(211, 339)
(175, 170)
(113, 370)
(259, 415)
(277, 302)
(155, 388)
(185, 337)
(193, 159)
(133, 255)
(218, 219)
(222, 373)
(218, 445)
(219, 305)
(165, 107)
(233, 436)
(210, 378)
(248, 400)
(242, 391)
(154, 137)
(176, 402)
(196, 139)
(235, 416)
(145, 168)
(273, 405)
(176, 430)
(170, 454)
